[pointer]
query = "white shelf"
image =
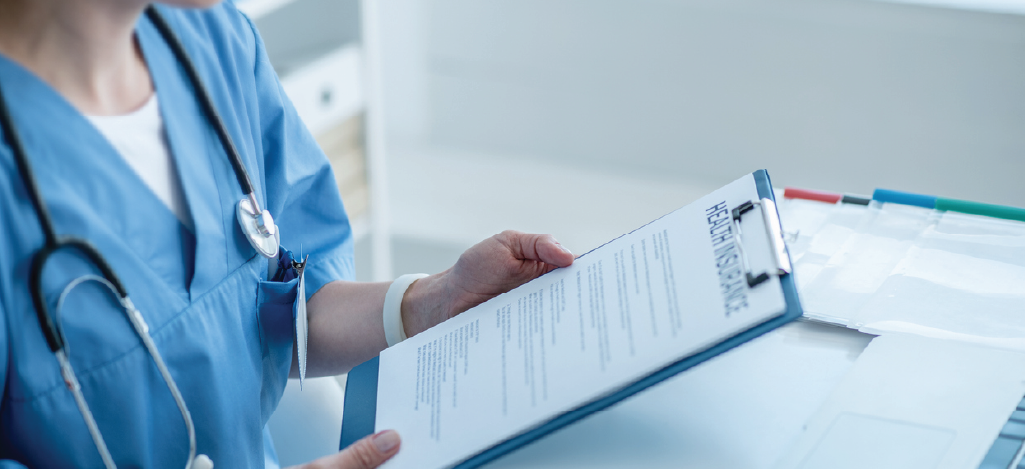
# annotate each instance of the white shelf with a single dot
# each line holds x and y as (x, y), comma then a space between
(328, 89)
(314, 46)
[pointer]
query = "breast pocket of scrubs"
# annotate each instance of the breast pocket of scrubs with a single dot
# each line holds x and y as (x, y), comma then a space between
(275, 313)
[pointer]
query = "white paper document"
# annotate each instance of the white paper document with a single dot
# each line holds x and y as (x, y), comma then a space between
(630, 307)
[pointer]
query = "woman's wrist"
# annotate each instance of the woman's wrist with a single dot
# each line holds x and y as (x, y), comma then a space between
(427, 302)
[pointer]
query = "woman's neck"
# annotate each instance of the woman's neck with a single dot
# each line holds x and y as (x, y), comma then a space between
(85, 49)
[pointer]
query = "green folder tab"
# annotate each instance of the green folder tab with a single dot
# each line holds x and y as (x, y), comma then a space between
(977, 208)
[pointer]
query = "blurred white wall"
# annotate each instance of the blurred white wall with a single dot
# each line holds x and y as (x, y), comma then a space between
(405, 78)
(588, 118)
(842, 95)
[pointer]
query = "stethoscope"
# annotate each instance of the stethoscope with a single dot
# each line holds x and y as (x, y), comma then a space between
(256, 223)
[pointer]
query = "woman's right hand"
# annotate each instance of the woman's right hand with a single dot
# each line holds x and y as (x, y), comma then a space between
(368, 453)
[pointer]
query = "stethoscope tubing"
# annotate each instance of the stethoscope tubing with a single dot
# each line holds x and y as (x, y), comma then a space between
(52, 243)
(54, 337)
(204, 100)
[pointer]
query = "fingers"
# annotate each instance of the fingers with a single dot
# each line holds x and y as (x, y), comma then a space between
(536, 247)
(367, 453)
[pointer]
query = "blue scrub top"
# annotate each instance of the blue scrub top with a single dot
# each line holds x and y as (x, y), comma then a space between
(225, 333)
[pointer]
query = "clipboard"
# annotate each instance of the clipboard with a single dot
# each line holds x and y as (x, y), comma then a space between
(359, 415)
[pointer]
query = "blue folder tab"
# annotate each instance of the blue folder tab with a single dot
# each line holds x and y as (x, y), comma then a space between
(904, 198)
(361, 387)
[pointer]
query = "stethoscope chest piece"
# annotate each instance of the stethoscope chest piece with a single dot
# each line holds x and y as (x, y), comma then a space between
(259, 227)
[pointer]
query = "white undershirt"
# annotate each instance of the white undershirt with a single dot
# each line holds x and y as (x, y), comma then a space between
(139, 137)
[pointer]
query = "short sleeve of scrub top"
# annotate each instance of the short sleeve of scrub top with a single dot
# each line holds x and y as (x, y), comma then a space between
(224, 331)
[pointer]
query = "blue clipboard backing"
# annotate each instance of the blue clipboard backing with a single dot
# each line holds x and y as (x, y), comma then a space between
(359, 410)
(360, 406)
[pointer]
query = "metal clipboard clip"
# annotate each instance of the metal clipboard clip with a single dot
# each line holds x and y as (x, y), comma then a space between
(775, 233)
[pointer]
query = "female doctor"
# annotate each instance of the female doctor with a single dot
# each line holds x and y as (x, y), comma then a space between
(142, 153)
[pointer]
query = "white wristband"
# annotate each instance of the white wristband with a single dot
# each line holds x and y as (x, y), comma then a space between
(394, 332)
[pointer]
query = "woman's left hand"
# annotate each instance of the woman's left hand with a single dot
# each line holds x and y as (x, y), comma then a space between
(489, 268)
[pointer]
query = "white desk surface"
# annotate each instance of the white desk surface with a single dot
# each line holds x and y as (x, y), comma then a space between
(742, 409)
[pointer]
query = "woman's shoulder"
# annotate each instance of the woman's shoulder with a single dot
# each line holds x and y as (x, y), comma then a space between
(222, 30)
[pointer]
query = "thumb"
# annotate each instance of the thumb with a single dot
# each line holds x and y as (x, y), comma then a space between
(536, 247)
(368, 453)
(552, 252)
